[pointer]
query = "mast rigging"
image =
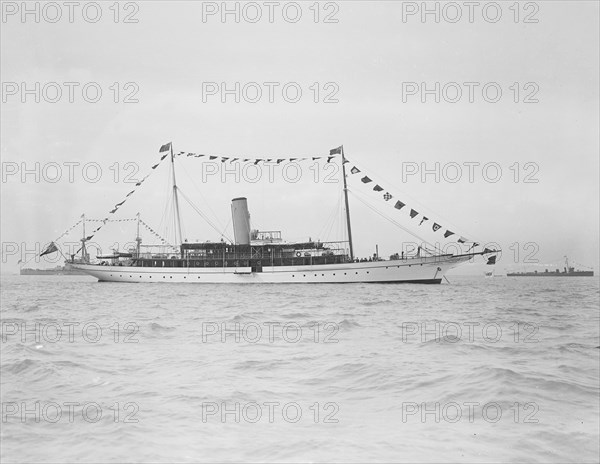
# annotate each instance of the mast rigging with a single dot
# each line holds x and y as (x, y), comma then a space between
(176, 199)
(347, 209)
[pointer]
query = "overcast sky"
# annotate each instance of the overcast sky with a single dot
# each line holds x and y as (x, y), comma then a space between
(369, 57)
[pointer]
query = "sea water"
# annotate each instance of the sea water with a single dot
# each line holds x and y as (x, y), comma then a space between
(479, 370)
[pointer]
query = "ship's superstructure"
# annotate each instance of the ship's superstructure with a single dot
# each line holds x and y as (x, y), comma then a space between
(264, 257)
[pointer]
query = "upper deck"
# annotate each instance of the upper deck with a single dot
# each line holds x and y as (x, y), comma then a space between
(222, 254)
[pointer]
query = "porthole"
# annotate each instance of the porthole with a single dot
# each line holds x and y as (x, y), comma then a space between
(356, 272)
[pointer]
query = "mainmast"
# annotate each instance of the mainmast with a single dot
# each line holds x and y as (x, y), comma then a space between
(347, 209)
(138, 239)
(176, 199)
(84, 254)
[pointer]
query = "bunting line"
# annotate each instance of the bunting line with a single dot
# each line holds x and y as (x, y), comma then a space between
(240, 159)
(68, 230)
(104, 221)
(167, 148)
(52, 244)
(164, 148)
(333, 153)
(387, 196)
(150, 229)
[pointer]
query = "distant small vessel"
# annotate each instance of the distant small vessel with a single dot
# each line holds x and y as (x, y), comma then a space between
(58, 270)
(492, 273)
(568, 271)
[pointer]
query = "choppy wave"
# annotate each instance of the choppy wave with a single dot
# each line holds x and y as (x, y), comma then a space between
(367, 366)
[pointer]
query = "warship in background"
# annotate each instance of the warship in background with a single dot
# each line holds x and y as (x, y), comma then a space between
(568, 271)
(58, 270)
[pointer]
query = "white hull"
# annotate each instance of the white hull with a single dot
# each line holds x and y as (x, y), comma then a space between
(414, 270)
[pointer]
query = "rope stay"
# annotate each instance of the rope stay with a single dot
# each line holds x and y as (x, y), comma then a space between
(203, 216)
(394, 222)
(457, 230)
